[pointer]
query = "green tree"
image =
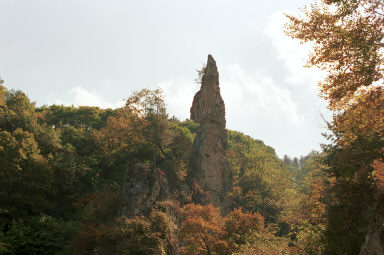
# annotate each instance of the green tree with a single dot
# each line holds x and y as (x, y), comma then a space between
(25, 176)
(261, 182)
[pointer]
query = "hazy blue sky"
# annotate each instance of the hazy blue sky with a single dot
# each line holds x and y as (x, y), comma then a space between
(93, 52)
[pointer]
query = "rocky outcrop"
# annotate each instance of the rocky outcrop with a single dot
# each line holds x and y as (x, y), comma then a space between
(373, 244)
(142, 188)
(209, 166)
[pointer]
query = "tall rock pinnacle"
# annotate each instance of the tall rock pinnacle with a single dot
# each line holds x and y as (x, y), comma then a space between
(209, 165)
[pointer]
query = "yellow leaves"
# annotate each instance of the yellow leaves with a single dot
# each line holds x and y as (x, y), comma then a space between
(365, 117)
(123, 132)
(378, 174)
(348, 44)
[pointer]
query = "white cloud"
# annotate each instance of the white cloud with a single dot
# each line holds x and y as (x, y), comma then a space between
(244, 93)
(82, 96)
(291, 52)
(179, 96)
(255, 93)
(254, 103)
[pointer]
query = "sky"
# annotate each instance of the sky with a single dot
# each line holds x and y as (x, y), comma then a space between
(94, 52)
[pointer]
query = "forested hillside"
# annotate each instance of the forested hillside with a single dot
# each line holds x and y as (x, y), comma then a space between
(62, 170)
(133, 180)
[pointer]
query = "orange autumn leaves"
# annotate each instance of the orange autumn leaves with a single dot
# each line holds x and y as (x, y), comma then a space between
(348, 43)
(363, 117)
(201, 229)
(378, 173)
(205, 231)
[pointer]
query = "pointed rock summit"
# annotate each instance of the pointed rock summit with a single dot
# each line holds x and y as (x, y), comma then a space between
(208, 106)
(209, 165)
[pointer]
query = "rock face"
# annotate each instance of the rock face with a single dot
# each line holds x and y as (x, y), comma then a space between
(143, 187)
(373, 244)
(209, 166)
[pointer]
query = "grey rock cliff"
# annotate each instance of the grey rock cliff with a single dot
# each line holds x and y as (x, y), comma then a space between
(142, 188)
(209, 166)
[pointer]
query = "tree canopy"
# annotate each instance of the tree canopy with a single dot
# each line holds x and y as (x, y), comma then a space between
(348, 43)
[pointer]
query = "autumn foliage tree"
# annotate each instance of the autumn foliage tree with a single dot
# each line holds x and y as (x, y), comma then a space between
(205, 231)
(348, 39)
(239, 227)
(201, 229)
(348, 43)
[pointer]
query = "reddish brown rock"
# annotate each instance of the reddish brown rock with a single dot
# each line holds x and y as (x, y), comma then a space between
(210, 168)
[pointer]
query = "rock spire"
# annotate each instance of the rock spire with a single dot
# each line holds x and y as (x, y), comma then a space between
(209, 166)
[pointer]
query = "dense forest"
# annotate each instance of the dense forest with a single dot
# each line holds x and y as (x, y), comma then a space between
(63, 169)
